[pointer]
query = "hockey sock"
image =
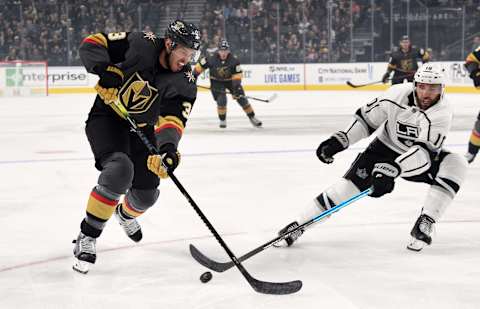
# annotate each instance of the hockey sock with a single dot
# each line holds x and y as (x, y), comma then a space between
(102, 203)
(248, 109)
(436, 203)
(313, 209)
(222, 112)
(128, 211)
(474, 143)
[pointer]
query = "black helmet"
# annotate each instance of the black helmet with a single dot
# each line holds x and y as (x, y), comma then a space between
(223, 45)
(182, 33)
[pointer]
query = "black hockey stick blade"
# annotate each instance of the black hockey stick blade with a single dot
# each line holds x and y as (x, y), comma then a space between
(265, 287)
(203, 260)
(362, 85)
(275, 288)
(269, 100)
(351, 85)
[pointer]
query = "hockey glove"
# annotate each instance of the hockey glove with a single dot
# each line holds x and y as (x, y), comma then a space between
(111, 78)
(328, 148)
(383, 178)
(475, 75)
(237, 90)
(385, 77)
(166, 161)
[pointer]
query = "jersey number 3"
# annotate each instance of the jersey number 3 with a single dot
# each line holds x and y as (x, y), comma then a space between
(115, 36)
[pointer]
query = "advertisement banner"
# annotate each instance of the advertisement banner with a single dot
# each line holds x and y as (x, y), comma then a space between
(456, 74)
(70, 77)
(314, 76)
(339, 73)
(265, 75)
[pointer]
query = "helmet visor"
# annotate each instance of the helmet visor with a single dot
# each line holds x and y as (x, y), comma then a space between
(185, 54)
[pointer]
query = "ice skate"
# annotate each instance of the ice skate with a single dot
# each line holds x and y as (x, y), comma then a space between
(223, 124)
(130, 226)
(421, 232)
(84, 253)
(255, 122)
(288, 241)
(470, 157)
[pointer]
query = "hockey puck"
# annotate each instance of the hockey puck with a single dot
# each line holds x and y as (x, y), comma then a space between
(206, 276)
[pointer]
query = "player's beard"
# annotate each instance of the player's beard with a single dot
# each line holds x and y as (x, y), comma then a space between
(426, 105)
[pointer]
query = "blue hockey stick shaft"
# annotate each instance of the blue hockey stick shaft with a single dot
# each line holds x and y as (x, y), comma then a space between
(341, 205)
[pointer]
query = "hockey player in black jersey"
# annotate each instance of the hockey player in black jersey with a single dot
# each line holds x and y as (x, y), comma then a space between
(404, 62)
(472, 64)
(152, 78)
(412, 121)
(226, 74)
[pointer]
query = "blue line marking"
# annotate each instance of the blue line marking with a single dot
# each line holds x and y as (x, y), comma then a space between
(205, 154)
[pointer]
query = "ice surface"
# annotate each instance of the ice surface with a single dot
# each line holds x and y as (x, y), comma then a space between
(250, 183)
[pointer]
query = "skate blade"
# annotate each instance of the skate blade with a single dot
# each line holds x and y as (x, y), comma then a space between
(81, 266)
(416, 245)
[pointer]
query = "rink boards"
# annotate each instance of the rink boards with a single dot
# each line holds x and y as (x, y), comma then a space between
(279, 77)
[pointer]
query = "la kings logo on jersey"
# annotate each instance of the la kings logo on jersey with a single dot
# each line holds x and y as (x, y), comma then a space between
(407, 133)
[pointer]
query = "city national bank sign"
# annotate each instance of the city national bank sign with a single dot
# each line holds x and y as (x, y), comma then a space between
(340, 73)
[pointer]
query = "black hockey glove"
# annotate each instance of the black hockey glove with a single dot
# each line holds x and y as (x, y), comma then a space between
(237, 90)
(385, 77)
(328, 148)
(168, 157)
(111, 78)
(475, 75)
(383, 178)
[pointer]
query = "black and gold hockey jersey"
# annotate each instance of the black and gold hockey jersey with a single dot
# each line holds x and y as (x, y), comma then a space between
(165, 101)
(405, 63)
(474, 56)
(472, 64)
(221, 70)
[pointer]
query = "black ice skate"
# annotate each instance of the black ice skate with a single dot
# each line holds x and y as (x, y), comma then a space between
(288, 241)
(84, 253)
(129, 225)
(421, 232)
(255, 122)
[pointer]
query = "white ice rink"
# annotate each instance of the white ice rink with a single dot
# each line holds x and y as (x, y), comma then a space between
(249, 182)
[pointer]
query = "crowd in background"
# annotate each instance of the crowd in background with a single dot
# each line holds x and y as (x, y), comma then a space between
(285, 23)
(259, 31)
(52, 30)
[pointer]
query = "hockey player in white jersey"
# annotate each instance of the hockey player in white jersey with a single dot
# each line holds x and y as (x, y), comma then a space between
(411, 121)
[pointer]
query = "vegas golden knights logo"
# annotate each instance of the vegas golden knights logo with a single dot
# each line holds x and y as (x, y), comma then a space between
(223, 72)
(137, 95)
(406, 64)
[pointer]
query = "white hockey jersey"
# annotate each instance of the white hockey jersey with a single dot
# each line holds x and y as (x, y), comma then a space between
(413, 133)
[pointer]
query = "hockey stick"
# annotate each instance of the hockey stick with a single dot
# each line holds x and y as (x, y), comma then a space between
(223, 266)
(363, 85)
(276, 288)
(375, 82)
(270, 99)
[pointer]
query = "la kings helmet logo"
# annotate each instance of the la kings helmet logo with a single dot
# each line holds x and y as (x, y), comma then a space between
(407, 133)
